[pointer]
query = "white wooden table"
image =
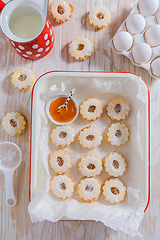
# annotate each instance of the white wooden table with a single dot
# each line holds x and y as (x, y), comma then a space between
(15, 223)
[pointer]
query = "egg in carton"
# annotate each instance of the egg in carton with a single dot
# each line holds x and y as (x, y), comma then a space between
(138, 38)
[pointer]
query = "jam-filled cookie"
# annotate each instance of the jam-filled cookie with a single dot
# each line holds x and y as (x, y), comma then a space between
(91, 109)
(115, 164)
(14, 123)
(90, 165)
(90, 137)
(81, 48)
(62, 186)
(62, 136)
(114, 190)
(89, 189)
(23, 79)
(117, 109)
(117, 134)
(60, 161)
(99, 17)
(61, 10)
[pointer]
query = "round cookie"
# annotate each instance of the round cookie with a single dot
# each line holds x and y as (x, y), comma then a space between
(114, 190)
(90, 137)
(23, 79)
(115, 164)
(117, 109)
(61, 10)
(91, 109)
(60, 161)
(89, 189)
(117, 134)
(90, 165)
(99, 17)
(62, 136)
(80, 48)
(14, 123)
(62, 186)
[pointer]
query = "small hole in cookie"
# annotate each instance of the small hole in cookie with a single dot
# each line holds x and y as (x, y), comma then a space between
(91, 108)
(117, 108)
(13, 123)
(114, 190)
(22, 77)
(89, 188)
(60, 161)
(62, 134)
(80, 47)
(90, 137)
(118, 133)
(115, 164)
(62, 186)
(100, 15)
(91, 166)
(60, 10)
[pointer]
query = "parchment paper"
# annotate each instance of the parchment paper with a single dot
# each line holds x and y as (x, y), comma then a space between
(124, 216)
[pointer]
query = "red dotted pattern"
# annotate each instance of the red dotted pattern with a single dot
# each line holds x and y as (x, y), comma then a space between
(37, 48)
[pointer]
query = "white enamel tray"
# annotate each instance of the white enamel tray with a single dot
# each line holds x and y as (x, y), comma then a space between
(37, 170)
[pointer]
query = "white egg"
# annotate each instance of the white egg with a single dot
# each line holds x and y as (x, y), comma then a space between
(152, 35)
(158, 17)
(141, 53)
(155, 67)
(122, 41)
(135, 23)
(148, 7)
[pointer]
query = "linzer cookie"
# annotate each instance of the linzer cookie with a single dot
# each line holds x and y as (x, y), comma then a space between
(80, 48)
(62, 186)
(14, 123)
(23, 79)
(117, 109)
(99, 17)
(61, 10)
(90, 165)
(89, 189)
(117, 134)
(114, 190)
(60, 161)
(91, 109)
(90, 137)
(115, 164)
(62, 136)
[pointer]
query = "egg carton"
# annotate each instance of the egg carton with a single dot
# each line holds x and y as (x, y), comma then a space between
(138, 38)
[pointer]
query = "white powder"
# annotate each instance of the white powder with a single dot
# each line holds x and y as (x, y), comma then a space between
(8, 156)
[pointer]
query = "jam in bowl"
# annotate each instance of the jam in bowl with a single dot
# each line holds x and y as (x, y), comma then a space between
(61, 116)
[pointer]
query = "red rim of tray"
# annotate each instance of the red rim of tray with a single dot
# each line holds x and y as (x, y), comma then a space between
(149, 184)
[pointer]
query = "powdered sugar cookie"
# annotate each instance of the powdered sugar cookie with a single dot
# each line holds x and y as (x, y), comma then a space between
(62, 136)
(81, 48)
(62, 186)
(90, 165)
(117, 134)
(91, 109)
(115, 164)
(114, 190)
(61, 10)
(90, 137)
(23, 79)
(117, 109)
(14, 123)
(89, 189)
(60, 161)
(99, 17)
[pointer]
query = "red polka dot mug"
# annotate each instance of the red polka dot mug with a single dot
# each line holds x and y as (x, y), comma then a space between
(26, 25)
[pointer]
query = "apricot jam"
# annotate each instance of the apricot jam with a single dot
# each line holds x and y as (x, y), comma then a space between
(62, 115)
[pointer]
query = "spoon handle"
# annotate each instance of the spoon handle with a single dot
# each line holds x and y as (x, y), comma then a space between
(10, 197)
(66, 102)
